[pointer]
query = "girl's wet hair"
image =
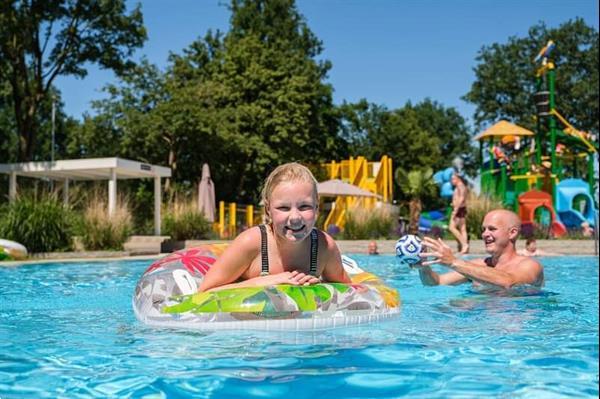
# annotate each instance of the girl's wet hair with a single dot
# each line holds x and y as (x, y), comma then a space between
(289, 172)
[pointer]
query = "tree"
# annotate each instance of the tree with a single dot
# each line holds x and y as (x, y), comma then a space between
(40, 40)
(505, 76)
(416, 184)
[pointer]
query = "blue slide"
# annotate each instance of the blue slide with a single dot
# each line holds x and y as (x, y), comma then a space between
(574, 204)
(442, 179)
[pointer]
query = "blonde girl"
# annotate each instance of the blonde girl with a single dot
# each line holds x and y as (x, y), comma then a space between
(288, 249)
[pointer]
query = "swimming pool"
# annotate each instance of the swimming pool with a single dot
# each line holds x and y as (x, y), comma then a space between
(68, 330)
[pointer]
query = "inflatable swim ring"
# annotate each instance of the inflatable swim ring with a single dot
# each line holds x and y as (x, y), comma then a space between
(166, 295)
(10, 250)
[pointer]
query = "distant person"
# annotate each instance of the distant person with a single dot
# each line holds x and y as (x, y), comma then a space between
(586, 229)
(503, 268)
(372, 248)
(531, 249)
(458, 219)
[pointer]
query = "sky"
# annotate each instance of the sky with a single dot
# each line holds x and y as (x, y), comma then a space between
(386, 51)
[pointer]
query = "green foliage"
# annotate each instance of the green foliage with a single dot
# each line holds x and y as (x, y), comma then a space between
(363, 224)
(417, 183)
(41, 224)
(42, 40)
(505, 76)
(100, 232)
(185, 222)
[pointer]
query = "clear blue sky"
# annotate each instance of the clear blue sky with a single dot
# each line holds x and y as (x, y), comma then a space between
(387, 51)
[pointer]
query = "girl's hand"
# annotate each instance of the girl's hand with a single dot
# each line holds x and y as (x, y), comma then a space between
(293, 278)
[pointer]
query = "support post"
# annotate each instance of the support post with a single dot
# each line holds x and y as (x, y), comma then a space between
(66, 192)
(112, 193)
(12, 187)
(157, 204)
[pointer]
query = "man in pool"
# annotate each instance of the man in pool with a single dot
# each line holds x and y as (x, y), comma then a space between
(503, 268)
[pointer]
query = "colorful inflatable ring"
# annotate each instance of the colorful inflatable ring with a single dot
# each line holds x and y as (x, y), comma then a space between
(10, 250)
(167, 296)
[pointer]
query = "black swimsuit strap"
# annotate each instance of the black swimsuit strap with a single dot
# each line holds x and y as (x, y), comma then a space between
(264, 253)
(314, 251)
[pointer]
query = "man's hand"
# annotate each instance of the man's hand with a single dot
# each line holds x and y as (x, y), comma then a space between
(439, 251)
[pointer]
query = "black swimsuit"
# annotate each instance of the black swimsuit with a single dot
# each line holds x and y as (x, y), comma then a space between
(264, 254)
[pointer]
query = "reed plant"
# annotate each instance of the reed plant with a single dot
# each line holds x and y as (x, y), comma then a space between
(98, 231)
(183, 221)
(38, 221)
(479, 206)
(364, 224)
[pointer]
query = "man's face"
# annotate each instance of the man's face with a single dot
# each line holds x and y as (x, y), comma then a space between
(372, 248)
(496, 233)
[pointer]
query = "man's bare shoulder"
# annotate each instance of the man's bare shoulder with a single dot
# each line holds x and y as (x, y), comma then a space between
(528, 261)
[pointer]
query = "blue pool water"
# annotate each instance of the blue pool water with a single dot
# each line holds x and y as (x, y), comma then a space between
(68, 330)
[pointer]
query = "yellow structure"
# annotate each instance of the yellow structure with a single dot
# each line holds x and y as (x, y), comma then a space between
(227, 227)
(375, 177)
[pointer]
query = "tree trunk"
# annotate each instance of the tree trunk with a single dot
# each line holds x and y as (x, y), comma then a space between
(414, 207)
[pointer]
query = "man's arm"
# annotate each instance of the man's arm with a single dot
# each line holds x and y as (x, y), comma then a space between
(529, 271)
(431, 278)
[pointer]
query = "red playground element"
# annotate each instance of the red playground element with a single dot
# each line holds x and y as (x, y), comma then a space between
(532, 200)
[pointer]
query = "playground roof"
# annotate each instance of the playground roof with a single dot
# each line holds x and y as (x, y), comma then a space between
(504, 128)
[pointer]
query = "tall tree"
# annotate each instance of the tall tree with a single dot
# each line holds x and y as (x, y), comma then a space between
(40, 40)
(414, 136)
(505, 76)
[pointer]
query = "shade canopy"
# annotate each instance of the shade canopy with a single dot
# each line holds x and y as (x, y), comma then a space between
(504, 128)
(111, 169)
(336, 187)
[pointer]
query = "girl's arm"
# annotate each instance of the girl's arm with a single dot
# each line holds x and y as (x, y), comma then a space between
(234, 261)
(333, 271)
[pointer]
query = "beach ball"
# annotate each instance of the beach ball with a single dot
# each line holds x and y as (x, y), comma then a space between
(408, 248)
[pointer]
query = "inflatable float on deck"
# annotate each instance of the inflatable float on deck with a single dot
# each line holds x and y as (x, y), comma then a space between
(166, 296)
(10, 250)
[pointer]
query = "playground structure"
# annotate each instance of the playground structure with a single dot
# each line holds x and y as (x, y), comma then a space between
(547, 176)
(375, 177)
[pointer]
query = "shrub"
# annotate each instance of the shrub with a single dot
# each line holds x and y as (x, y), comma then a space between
(98, 231)
(363, 224)
(478, 206)
(41, 224)
(183, 221)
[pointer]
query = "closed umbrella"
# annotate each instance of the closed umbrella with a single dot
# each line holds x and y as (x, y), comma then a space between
(206, 195)
(336, 187)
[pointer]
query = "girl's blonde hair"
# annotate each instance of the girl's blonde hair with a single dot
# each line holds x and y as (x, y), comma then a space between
(289, 172)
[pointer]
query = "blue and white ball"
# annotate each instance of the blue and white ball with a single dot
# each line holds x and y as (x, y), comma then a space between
(408, 248)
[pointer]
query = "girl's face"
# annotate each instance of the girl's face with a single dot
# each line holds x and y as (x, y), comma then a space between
(293, 210)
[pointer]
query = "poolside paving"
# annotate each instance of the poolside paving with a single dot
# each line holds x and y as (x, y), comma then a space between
(564, 247)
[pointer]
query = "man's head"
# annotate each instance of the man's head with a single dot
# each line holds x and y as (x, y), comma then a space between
(531, 244)
(456, 179)
(372, 248)
(500, 230)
